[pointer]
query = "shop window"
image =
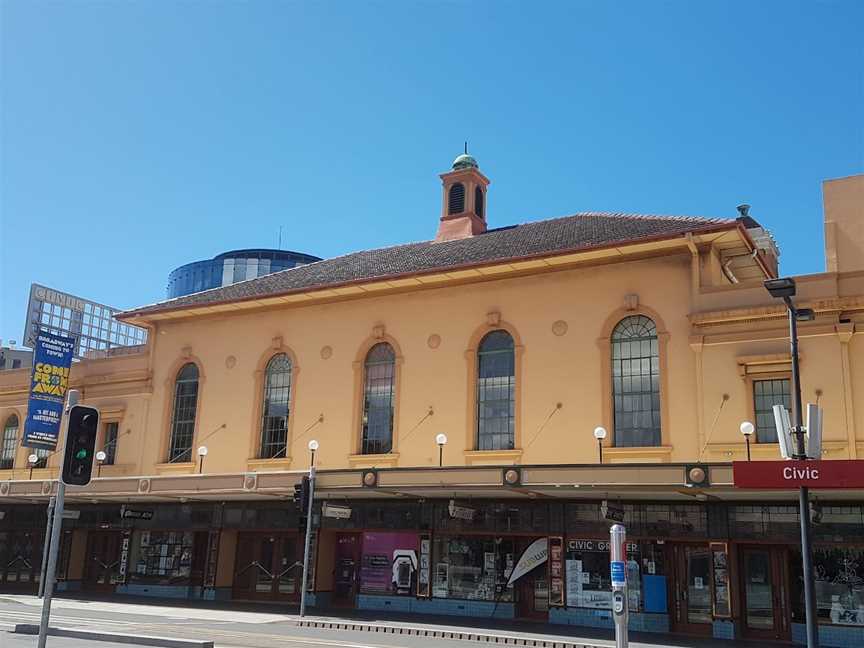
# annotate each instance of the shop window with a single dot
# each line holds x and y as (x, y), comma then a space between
(162, 556)
(183, 417)
(767, 394)
(588, 579)
(636, 382)
(496, 392)
(839, 576)
(10, 443)
(837, 523)
(378, 393)
(277, 399)
(674, 520)
(389, 564)
(761, 522)
(109, 446)
(473, 567)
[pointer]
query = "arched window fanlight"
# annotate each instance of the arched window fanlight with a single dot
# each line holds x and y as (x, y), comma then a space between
(277, 400)
(636, 382)
(496, 392)
(10, 443)
(378, 395)
(456, 199)
(183, 417)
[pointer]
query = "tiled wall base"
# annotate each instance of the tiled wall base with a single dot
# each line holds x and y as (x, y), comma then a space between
(724, 629)
(176, 592)
(318, 599)
(481, 609)
(831, 636)
(67, 586)
(639, 621)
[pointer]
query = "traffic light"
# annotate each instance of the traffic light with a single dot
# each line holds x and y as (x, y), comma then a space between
(80, 445)
(301, 501)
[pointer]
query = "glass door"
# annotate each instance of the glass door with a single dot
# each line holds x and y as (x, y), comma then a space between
(764, 587)
(345, 578)
(289, 571)
(693, 611)
(102, 566)
(20, 560)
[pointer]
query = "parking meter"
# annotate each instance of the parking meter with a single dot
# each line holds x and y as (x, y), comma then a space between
(618, 570)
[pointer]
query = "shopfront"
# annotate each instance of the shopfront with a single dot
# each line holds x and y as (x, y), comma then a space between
(268, 566)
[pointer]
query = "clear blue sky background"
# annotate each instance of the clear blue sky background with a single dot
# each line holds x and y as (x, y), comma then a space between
(138, 136)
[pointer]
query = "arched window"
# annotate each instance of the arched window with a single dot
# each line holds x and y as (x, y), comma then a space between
(456, 199)
(183, 418)
(636, 382)
(10, 443)
(478, 201)
(496, 392)
(379, 371)
(277, 400)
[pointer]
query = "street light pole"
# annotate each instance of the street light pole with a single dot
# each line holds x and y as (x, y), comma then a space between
(313, 446)
(803, 491)
(600, 434)
(784, 288)
(441, 440)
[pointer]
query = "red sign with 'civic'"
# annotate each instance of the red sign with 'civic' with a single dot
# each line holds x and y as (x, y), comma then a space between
(840, 473)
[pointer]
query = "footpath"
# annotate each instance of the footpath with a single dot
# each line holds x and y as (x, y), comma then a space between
(229, 623)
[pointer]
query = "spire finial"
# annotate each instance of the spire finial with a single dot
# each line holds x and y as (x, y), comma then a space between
(466, 147)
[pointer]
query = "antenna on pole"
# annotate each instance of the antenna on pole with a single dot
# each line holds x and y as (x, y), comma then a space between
(279, 247)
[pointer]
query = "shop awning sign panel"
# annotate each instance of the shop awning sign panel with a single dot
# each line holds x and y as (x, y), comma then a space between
(839, 473)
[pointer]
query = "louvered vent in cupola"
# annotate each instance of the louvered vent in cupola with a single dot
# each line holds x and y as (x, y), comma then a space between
(478, 201)
(456, 199)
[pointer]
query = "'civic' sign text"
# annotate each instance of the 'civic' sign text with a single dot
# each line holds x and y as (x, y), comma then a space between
(839, 473)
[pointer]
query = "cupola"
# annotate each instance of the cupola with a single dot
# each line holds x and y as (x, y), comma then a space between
(463, 208)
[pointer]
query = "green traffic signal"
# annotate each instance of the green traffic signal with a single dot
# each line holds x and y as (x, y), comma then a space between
(81, 454)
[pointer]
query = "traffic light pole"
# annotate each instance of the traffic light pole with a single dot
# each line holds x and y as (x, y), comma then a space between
(308, 541)
(45, 546)
(56, 527)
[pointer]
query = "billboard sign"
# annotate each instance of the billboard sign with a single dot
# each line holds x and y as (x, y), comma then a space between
(91, 325)
(837, 473)
(49, 381)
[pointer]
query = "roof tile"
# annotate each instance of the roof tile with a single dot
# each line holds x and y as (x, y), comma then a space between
(571, 233)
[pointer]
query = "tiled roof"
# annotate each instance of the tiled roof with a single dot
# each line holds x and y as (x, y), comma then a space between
(541, 238)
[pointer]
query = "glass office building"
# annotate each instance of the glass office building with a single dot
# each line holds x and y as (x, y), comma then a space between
(231, 267)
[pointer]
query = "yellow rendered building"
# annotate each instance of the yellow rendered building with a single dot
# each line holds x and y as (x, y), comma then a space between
(453, 388)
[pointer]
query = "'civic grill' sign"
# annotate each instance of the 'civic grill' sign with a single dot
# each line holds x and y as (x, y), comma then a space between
(839, 473)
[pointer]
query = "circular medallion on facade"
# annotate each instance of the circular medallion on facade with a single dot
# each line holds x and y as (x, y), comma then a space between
(434, 341)
(559, 328)
(230, 362)
(326, 352)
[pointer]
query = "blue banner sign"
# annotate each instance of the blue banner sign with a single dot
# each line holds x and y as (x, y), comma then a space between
(52, 357)
(618, 574)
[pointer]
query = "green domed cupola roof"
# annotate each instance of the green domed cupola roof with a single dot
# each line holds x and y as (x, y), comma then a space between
(465, 161)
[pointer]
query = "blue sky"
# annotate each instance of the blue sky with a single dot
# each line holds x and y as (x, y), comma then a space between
(138, 136)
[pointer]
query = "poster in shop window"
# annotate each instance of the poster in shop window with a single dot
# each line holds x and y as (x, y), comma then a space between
(389, 563)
